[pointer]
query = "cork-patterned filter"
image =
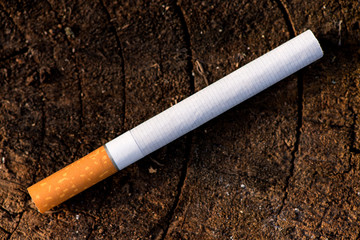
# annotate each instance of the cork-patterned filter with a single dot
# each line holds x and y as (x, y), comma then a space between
(72, 180)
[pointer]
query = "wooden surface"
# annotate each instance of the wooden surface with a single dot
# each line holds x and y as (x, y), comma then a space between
(284, 164)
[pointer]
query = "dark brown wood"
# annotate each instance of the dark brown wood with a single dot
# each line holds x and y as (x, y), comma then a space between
(282, 165)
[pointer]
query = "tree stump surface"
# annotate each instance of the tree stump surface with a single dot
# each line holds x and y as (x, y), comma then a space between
(283, 165)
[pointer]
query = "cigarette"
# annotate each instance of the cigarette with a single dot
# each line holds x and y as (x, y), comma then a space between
(176, 121)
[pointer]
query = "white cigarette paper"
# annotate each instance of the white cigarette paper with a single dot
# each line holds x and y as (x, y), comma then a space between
(215, 99)
(176, 121)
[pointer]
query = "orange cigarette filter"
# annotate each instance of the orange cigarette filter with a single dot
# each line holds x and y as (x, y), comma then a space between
(72, 180)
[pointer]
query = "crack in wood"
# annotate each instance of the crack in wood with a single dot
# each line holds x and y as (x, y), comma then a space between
(17, 225)
(8, 212)
(80, 89)
(184, 171)
(300, 98)
(2, 229)
(121, 54)
(189, 67)
(287, 17)
(297, 141)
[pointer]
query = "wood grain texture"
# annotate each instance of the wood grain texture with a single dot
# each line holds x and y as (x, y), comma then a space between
(282, 165)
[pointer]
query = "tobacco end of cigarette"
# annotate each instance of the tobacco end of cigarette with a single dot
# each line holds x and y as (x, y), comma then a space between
(72, 180)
